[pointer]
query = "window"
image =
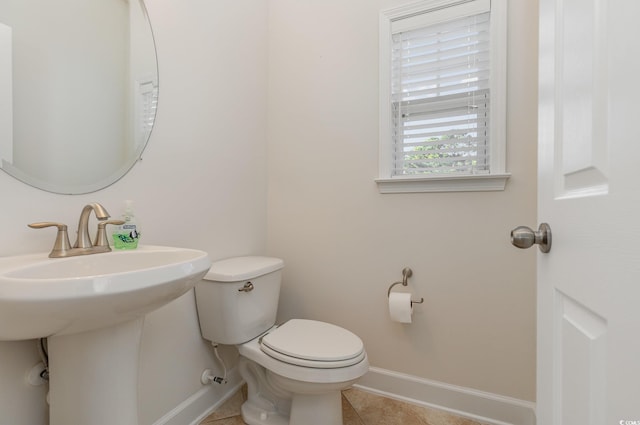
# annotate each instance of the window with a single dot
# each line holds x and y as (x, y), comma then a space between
(443, 96)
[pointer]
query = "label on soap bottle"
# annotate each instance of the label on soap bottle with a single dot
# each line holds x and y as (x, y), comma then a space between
(126, 236)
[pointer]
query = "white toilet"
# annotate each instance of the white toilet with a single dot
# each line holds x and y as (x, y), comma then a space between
(294, 371)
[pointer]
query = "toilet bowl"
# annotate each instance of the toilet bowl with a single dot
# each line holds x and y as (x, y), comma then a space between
(308, 383)
(295, 371)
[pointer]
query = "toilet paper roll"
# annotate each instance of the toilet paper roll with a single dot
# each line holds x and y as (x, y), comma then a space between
(400, 307)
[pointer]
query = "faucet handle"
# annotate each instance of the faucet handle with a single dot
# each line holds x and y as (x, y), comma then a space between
(62, 245)
(101, 236)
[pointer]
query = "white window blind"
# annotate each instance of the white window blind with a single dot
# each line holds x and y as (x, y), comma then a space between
(6, 94)
(440, 98)
(149, 104)
(146, 105)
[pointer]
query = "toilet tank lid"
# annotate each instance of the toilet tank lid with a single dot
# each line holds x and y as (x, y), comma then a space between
(242, 268)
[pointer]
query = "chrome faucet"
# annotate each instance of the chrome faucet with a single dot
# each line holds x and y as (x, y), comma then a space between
(83, 245)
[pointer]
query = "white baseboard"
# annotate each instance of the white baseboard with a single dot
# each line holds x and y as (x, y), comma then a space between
(488, 408)
(197, 407)
(481, 406)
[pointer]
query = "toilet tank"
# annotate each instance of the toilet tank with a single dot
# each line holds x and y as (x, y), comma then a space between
(237, 300)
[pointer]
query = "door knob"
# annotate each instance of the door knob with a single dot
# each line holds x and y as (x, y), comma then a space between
(523, 237)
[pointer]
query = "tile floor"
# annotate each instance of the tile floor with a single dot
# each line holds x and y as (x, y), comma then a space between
(359, 408)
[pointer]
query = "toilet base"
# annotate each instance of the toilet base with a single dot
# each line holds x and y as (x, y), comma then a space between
(316, 409)
(254, 415)
(275, 400)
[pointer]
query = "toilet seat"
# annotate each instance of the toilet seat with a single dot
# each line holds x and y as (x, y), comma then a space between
(252, 350)
(314, 344)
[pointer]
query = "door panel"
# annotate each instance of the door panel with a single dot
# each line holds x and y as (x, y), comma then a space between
(581, 96)
(589, 193)
(581, 352)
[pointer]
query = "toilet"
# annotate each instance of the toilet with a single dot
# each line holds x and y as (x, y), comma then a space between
(295, 371)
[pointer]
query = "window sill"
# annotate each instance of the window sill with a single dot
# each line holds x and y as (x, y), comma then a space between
(470, 183)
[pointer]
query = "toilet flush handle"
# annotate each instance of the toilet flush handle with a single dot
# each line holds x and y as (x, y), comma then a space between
(248, 287)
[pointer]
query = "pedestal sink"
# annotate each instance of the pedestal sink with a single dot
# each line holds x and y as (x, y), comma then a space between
(91, 309)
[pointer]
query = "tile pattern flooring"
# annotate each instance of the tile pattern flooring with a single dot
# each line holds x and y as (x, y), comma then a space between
(359, 408)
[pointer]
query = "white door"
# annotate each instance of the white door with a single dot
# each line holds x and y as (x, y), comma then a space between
(589, 193)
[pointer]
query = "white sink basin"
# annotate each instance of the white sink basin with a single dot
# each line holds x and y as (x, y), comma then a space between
(42, 297)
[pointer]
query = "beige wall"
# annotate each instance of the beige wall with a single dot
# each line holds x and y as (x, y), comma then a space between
(344, 243)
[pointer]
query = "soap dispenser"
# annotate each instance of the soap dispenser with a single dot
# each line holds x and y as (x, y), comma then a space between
(127, 235)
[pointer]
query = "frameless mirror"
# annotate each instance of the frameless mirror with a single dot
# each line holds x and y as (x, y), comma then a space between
(78, 91)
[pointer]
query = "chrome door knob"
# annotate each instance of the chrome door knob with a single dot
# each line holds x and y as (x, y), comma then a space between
(523, 237)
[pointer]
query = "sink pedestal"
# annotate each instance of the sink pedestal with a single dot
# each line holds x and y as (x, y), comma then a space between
(93, 376)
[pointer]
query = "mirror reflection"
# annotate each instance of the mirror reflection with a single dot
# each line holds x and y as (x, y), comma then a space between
(78, 91)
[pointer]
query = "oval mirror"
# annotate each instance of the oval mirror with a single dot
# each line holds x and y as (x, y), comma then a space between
(78, 91)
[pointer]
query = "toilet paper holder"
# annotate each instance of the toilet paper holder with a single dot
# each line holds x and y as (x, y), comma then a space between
(406, 274)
